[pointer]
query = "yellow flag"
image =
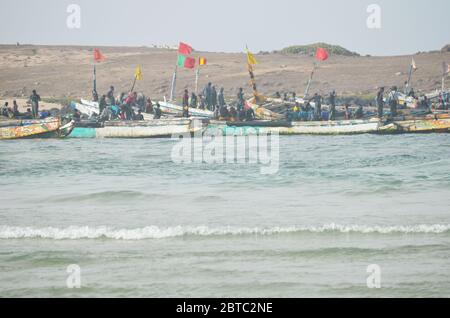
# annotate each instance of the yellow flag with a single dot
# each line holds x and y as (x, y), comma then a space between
(251, 58)
(138, 73)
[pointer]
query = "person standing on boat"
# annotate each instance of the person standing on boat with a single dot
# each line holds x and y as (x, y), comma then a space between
(193, 101)
(102, 104)
(110, 95)
(221, 98)
(318, 106)
(240, 99)
(207, 93)
(129, 102)
(186, 104)
(35, 99)
(332, 105)
(214, 98)
(15, 109)
(380, 102)
(393, 101)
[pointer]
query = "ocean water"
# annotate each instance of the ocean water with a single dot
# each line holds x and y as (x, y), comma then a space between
(138, 224)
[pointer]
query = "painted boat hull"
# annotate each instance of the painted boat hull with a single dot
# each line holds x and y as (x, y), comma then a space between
(45, 128)
(431, 125)
(347, 127)
(139, 129)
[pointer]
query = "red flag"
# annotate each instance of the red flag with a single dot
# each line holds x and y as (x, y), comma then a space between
(184, 49)
(98, 56)
(321, 54)
(189, 62)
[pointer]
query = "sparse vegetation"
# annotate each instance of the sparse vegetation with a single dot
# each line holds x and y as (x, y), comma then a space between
(311, 49)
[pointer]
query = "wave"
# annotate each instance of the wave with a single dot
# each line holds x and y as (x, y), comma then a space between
(155, 232)
(99, 196)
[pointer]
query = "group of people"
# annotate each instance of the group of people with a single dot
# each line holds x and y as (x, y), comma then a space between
(217, 104)
(31, 113)
(209, 99)
(311, 109)
(131, 106)
(392, 100)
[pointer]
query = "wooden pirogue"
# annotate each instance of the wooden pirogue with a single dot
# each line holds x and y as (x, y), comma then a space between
(51, 127)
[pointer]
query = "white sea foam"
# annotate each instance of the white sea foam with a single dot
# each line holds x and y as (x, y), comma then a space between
(154, 232)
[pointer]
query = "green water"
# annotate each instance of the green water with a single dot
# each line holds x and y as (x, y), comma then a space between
(137, 224)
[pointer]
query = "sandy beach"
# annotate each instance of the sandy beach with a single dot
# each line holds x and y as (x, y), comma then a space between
(65, 72)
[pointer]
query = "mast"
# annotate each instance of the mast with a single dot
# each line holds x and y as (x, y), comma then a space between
(197, 74)
(308, 86)
(251, 60)
(409, 79)
(174, 82)
(95, 79)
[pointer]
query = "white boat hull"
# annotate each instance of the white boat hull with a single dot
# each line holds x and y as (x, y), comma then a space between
(177, 110)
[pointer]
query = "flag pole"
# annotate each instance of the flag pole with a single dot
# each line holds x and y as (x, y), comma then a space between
(197, 74)
(444, 73)
(252, 79)
(174, 80)
(134, 83)
(408, 82)
(95, 79)
(308, 86)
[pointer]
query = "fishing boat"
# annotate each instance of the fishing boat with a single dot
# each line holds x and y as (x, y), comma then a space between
(88, 110)
(91, 107)
(341, 127)
(176, 110)
(429, 124)
(51, 127)
(138, 129)
(261, 111)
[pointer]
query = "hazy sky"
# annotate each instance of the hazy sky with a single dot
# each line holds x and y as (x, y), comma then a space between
(407, 26)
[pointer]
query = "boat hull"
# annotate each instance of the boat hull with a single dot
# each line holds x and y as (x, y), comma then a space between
(139, 129)
(176, 110)
(433, 125)
(46, 128)
(347, 127)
